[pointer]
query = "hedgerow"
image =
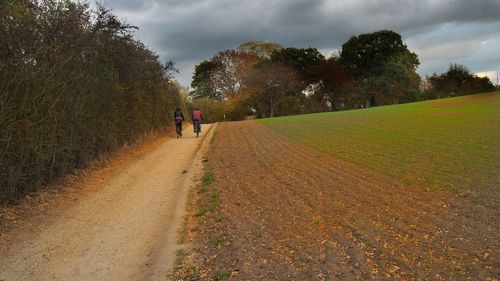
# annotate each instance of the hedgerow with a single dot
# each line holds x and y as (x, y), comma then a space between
(74, 84)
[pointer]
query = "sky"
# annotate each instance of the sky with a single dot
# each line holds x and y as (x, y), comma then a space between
(440, 32)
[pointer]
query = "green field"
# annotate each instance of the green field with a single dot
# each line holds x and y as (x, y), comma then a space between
(446, 144)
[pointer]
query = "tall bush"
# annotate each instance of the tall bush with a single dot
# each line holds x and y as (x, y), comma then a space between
(73, 85)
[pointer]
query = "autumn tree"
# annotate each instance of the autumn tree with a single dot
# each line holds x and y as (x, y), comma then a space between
(234, 68)
(261, 49)
(334, 87)
(272, 84)
(223, 76)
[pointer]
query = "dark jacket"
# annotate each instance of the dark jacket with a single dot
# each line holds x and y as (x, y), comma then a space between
(178, 115)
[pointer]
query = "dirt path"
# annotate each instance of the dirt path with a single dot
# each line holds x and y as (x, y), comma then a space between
(124, 229)
(288, 212)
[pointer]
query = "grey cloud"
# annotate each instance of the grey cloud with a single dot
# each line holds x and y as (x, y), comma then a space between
(439, 31)
(126, 5)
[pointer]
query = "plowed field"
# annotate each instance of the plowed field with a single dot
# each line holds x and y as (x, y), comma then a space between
(284, 211)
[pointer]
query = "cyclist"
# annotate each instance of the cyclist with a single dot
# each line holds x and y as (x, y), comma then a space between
(197, 116)
(178, 118)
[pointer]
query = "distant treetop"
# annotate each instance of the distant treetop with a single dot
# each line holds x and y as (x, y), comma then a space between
(261, 49)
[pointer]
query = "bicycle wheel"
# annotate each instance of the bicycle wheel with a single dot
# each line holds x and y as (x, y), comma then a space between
(178, 130)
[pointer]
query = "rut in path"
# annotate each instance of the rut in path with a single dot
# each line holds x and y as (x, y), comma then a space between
(293, 213)
(127, 229)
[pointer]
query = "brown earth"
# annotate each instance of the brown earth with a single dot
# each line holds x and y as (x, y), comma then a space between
(115, 222)
(284, 211)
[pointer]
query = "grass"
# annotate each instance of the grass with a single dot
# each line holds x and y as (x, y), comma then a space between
(208, 178)
(210, 200)
(446, 144)
(221, 241)
(221, 275)
(181, 255)
(191, 273)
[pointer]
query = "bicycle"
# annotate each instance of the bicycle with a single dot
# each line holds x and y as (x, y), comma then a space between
(197, 127)
(178, 128)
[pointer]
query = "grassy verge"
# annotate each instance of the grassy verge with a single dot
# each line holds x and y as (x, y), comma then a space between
(447, 144)
(205, 211)
(209, 199)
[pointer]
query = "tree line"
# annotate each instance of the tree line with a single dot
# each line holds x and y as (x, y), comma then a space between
(74, 84)
(269, 80)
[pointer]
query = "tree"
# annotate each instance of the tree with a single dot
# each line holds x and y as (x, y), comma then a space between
(365, 52)
(223, 76)
(391, 83)
(382, 66)
(271, 84)
(234, 67)
(260, 49)
(203, 81)
(333, 85)
(458, 80)
(301, 59)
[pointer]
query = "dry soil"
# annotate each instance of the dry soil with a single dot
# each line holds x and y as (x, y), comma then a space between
(118, 222)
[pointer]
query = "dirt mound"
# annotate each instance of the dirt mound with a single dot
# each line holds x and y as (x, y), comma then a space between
(288, 212)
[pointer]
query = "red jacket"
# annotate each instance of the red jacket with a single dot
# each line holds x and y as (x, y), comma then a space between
(197, 115)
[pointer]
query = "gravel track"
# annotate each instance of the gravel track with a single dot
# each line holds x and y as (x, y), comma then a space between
(121, 223)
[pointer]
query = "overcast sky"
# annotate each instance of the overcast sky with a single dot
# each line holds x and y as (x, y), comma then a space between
(440, 32)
